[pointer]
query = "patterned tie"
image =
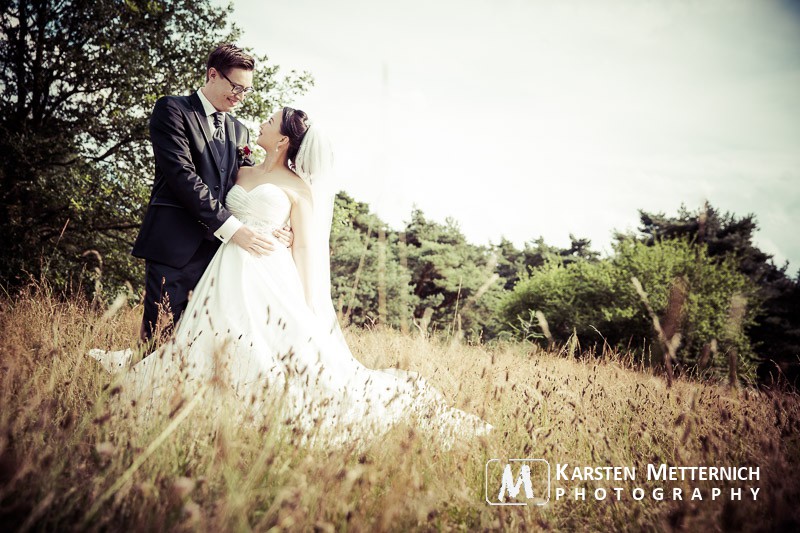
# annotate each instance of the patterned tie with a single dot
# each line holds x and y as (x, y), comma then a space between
(219, 132)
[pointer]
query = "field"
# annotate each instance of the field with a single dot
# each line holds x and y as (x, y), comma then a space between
(67, 462)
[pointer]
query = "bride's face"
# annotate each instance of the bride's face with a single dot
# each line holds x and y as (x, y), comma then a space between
(270, 137)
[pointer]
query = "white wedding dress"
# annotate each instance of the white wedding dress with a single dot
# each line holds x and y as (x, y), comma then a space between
(248, 327)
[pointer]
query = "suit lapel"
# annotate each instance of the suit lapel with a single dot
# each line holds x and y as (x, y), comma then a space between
(202, 120)
(230, 129)
(230, 133)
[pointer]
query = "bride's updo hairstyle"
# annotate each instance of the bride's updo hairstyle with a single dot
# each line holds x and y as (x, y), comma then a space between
(294, 124)
(309, 154)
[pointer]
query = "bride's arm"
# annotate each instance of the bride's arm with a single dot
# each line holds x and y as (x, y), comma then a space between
(302, 248)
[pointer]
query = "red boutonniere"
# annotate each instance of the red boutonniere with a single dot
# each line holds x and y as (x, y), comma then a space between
(245, 153)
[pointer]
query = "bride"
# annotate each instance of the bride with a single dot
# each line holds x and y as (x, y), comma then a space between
(265, 326)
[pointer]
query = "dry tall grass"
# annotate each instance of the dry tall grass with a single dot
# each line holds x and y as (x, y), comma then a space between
(62, 452)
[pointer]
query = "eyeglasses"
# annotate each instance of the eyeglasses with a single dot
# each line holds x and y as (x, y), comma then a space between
(235, 87)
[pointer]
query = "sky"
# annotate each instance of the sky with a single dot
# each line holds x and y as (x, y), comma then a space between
(545, 118)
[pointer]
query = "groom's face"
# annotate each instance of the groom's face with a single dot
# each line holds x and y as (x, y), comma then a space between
(220, 91)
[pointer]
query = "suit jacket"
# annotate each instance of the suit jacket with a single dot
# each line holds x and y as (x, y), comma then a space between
(186, 205)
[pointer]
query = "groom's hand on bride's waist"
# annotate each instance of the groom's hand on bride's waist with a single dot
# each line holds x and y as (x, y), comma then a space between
(285, 236)
(255, 243)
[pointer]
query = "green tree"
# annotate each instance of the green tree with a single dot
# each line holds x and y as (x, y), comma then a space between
(574, 297)
(452, 278)
(80, 78)
(710, 286)
(369, 284)
(513, 263)
(725, 235)
(597, 301)
(510, 263)
(776, 329)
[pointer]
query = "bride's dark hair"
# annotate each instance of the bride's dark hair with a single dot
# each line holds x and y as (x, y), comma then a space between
(294, 124)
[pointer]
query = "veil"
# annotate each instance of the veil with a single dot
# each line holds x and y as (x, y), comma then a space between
(314, 164)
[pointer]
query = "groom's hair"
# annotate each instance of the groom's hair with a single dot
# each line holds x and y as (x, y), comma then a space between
(227, 56)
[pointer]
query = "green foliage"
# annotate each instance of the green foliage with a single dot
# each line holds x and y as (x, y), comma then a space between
(394, 277)
(710, 287)
(572, 297)
(452, 277)
(514, 263)
(369, 283)
(597, 301)
(80, 78)
(724, 234)
(775, 332)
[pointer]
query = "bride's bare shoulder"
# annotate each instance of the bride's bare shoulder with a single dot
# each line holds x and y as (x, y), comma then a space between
(303, 187)
(299, 187)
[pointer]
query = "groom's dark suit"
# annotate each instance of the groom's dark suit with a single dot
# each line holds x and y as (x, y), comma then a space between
(192, 176)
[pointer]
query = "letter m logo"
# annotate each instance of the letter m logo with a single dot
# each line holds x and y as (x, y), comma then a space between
(517, 482)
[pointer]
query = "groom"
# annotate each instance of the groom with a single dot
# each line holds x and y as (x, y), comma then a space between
(197, 147)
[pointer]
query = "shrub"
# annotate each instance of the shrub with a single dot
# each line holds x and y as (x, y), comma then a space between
(691, 293)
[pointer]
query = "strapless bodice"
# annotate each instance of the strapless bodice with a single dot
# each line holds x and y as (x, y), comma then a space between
(265, 207)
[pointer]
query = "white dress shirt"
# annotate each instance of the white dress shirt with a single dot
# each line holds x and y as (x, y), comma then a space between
(232, 225)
